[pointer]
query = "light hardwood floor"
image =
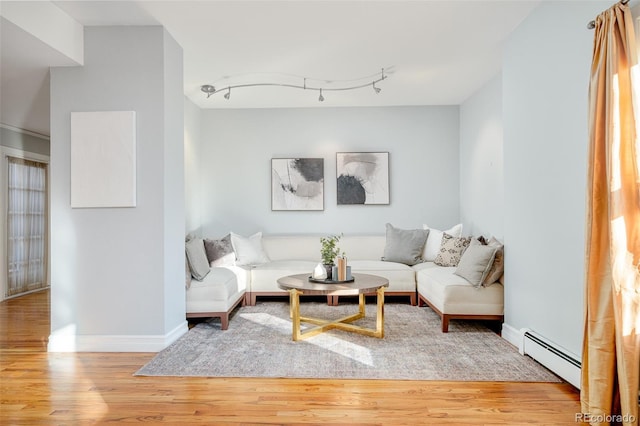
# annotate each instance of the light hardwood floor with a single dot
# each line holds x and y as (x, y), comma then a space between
(37, 387)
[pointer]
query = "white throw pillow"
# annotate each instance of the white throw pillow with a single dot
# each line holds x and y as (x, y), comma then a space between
(432, 247)
(248, 250)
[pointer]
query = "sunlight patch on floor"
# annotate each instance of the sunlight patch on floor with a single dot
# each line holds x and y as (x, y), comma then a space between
(325, 341)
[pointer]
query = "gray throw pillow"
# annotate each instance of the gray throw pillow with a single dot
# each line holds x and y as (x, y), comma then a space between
(476, 262)
(497, 269)
(220, 252)
(451, 250)
(404, 245)
(187, 273)
(197, 258)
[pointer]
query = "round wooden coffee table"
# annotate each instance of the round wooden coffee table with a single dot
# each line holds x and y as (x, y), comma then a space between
(363, 284)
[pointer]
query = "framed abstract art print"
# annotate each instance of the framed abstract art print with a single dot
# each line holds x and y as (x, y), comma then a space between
(362, 177)
(297, 184)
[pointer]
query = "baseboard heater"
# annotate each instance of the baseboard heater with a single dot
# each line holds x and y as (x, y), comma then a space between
(552, 356)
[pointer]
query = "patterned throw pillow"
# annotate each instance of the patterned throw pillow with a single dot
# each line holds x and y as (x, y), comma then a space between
(432, 247)
(451, 250)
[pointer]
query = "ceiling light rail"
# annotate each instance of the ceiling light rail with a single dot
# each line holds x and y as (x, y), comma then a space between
(210, 90)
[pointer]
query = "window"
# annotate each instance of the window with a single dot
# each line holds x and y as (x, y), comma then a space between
(26, 225)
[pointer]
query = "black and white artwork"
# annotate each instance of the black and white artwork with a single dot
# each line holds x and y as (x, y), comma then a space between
(363, 177)
(297, 184)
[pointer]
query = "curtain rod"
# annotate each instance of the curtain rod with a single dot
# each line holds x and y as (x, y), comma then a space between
(592, 24)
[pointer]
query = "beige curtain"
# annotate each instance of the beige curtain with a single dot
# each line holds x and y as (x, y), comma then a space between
(610, 360)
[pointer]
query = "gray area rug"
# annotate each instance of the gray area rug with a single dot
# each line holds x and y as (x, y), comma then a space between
(258, 344)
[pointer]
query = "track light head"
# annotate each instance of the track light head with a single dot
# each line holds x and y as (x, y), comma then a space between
(377, 89)
(228, 94)
(321, 98)
(208, 89)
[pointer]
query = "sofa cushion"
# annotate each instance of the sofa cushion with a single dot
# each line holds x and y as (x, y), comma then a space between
(220, 251)
(451, 250)
(292, 247)
(401, 277)
(452, 294)
(197, 258)
(218, 291)
(363, 247)
(497, 268)
(404, 245)
(264, 278)
(432, 247)
(424, 265)
(378, 265)
(476, 262)
(307, 246)
(248, 249)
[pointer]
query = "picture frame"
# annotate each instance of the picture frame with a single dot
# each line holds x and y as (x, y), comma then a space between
(362, 178)
(103, 159)
(297, 184)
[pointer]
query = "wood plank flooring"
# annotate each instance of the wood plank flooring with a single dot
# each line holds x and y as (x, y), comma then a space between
(43, 388)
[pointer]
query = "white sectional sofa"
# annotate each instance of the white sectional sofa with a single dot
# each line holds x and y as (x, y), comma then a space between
(453, 297)
(226, 285)
(217, 294)
(299, 254)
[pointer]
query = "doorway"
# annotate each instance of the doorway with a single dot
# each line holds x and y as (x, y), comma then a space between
(25, 243)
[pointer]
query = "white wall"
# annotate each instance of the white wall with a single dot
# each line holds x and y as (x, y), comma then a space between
(117, 273)
(192, 143)
(481, 162)
(545, 87)
(173, 291)
(238, 145)
(47, 22)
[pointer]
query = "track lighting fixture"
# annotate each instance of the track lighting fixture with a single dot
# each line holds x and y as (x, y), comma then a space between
(208, 89)
(322, 85)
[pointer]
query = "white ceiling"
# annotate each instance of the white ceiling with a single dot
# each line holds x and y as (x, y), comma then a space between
(435, 52)
(24, 78)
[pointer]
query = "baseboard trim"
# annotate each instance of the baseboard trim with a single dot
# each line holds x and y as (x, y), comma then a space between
(513, 336)
(66, 342)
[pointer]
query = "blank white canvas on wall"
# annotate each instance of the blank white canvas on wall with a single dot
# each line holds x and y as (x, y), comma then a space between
(103, 159)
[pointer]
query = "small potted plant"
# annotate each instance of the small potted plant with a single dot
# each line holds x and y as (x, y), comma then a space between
(329, 251)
